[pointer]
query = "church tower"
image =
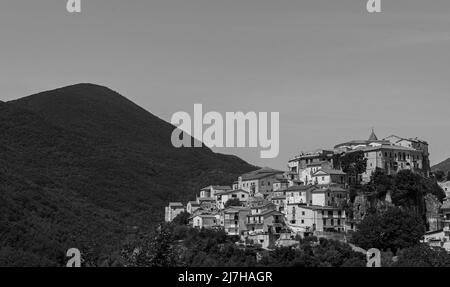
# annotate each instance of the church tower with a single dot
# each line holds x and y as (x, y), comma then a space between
(373, 136)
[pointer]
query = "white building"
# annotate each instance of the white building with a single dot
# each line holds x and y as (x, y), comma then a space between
(224, 196)
(441, 238)
(304, 218)
(210, 191)
(333, 196)
(260, 181)
(445, 187)
(327, 176)
(173, 210)
(205, 221)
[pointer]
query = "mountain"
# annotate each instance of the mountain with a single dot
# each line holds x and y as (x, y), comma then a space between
(444, 166)
(82, 166)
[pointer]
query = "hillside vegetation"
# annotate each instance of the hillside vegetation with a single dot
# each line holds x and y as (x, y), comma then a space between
(83, 167)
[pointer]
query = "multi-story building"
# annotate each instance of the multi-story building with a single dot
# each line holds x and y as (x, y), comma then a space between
(301, 194)
(210, 191)
(224, 196)
(234, 220)
(205, 220)
(416, 144)
(279, 201)
(441, 238)
(259, 181)
(301, 162)
(312, 218)
(268, 221)
(333, 196)
(280, 183)
(392, 159)
(391, 154)
(326, 176)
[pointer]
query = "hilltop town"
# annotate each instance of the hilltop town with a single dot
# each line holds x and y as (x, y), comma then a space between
(271, 207)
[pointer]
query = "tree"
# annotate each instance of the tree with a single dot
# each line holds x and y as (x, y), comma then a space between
(394, 229)
(423, 256)
(354, 163)
(233, 202)
(439, 175)
(182, 218)
(156, 249)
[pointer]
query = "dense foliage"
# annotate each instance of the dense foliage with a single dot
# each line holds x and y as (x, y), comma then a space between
(178, 245)
(353, 163)
(439, 175)
(84, 167)
(394, 229)
(422, 256)
(407, 189)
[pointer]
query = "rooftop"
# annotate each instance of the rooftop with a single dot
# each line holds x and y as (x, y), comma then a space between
(231, 191)
(175, 204)
(261, 173)
(330, 171)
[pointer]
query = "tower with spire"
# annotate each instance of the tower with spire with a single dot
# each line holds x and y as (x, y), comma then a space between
(373, 136)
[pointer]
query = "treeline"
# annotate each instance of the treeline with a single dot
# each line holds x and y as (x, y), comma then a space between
(178, 245)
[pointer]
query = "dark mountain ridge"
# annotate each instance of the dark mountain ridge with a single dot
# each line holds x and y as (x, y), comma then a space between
(83, 166)
(443, 166)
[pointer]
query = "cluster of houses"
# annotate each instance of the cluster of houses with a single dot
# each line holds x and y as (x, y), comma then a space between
(440, 236)
(269, 206)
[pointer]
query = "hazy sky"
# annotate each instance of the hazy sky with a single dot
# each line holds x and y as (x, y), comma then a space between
(331, 69)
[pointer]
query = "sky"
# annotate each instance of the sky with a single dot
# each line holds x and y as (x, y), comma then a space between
(331, 69)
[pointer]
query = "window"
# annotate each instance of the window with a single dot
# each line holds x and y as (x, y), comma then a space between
(303, 221)
(303, 213)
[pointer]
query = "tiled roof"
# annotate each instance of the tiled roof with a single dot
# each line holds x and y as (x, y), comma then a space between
(222, 187)
(232, 191)
(330, 171)
(194, 203)
(234, 209)
(299, 187)
(218, 187)
(318, 163)
(173, 204)
(206, 199)
(446, 205)
(317, 207)
(260, 173)
(361, 142)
